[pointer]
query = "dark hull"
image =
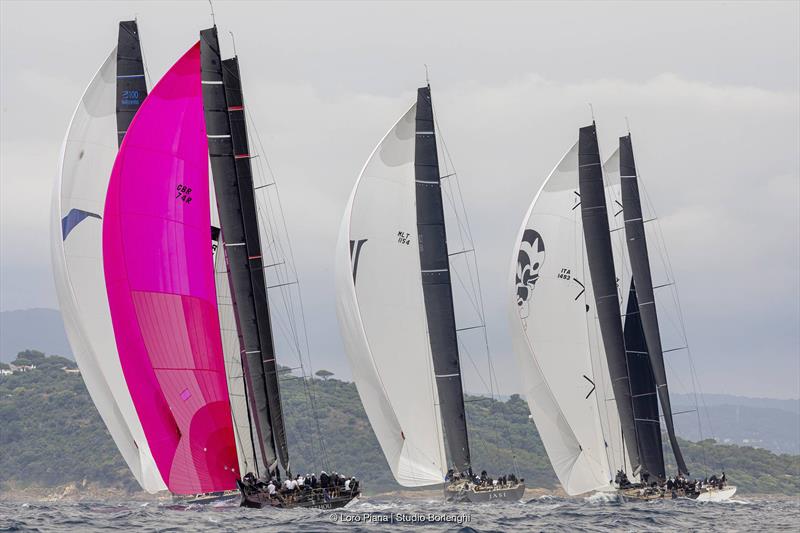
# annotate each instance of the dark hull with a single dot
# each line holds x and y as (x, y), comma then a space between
(312, 499)
(476, 495)
(211, 497)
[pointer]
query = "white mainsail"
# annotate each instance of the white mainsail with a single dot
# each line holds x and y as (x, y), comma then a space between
(554, 333)
(87, 157)
(381, 310)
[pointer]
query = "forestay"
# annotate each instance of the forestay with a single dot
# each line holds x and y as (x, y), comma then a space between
(87, 157)
(551, 303)
(381, 310)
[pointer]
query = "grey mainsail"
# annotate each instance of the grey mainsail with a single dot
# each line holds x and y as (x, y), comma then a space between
(233, 182)
(597, 237)
(643, 390)
(131, 83)
(640, 267)
(436, 285)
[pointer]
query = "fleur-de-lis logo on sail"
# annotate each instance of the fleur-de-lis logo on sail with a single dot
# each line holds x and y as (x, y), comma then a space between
(529, 263)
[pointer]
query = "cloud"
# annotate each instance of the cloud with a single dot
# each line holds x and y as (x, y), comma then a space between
(714, 123)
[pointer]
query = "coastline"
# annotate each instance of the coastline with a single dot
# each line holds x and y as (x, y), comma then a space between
(86, 491)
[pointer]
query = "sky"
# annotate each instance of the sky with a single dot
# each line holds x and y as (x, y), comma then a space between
(711, 92)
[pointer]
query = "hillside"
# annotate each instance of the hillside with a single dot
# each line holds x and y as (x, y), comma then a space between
(766, 423)
(51, 434)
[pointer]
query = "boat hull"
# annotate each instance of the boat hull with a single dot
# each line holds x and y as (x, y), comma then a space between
(706, 495)
(211, 497)
(458, 493)
(311, 499)
(717, 495)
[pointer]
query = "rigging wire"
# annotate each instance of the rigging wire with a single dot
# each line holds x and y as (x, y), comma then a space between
(287, 268)
(141, 47)
(667, 264)
(455, 196)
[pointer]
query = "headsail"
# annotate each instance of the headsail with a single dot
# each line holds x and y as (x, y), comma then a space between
(160, 279)
(550, 302)
(597, 236)
(436, 285)
(87, 158)
(643, 390)
(233, 179)
(640, 267)
(381, 310)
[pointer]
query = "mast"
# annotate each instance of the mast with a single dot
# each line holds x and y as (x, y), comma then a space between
(131, 83)
(640, 267)
(233, 180)
(643, 390)
(436, 285)
(597, 236)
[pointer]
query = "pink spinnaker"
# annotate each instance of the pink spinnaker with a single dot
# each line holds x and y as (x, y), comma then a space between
(160, 279)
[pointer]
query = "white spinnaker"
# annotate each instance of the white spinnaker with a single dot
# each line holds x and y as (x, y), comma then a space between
(381, 310)
(550, 332)
(87, 157)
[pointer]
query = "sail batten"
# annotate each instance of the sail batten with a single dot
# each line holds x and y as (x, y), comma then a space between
(640, 266)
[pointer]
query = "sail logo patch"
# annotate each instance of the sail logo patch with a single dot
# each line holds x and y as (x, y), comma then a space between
(184, 193)
(73, 218)
(130, 98)
(355, 252)
(529, 263)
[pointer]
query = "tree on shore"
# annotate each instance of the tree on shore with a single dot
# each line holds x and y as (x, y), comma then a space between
(324, 374)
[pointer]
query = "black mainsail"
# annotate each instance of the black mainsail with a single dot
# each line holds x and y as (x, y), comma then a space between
(640, 267)
(233, 182)
(643, 390)
(436, 285)
(131, 83)
(597, 237)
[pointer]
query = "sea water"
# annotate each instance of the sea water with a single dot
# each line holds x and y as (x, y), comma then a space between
(595, 513)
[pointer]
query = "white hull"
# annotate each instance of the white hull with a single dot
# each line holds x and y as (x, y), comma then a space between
(715, 495)
(707, 495)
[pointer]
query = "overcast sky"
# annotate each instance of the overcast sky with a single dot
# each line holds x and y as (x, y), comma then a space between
(712, 91)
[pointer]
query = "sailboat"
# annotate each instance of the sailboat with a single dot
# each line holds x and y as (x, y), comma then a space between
(396, 312)
(595, 376)
(266, 451)
(152, 285)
